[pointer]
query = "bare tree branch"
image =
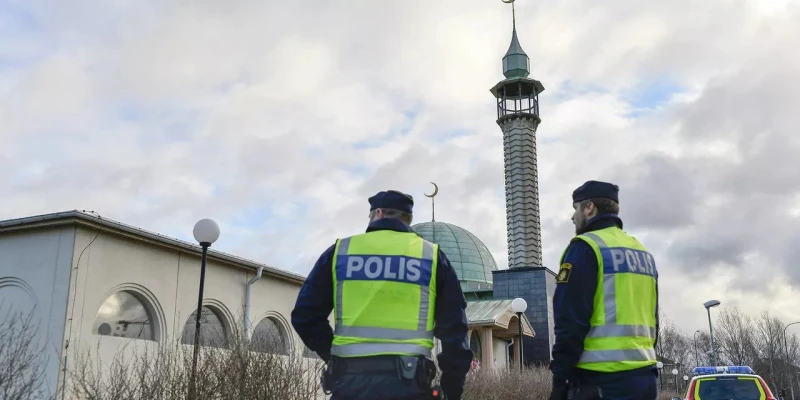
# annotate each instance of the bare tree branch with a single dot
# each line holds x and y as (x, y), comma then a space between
(23, 356)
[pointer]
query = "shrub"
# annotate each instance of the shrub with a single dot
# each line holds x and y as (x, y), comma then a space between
(515, 384)
(509, 384)
(235, 371)
(238, 369)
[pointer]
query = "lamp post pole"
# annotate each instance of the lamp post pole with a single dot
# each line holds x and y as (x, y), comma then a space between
(711, 333)
(786, 354)
(708, 305)
(685, 382)
(519, 318)
(696, 353)
(675, 374)
(206, 232)
(518, 306)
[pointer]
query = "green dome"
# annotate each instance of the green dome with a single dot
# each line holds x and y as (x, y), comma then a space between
(469, 256)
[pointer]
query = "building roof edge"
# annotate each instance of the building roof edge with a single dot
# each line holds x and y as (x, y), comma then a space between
(85, 218)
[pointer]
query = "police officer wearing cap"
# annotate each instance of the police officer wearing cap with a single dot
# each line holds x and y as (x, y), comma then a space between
(391, 292)
(605, 306)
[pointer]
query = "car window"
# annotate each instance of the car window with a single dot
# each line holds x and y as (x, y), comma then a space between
(729, 388)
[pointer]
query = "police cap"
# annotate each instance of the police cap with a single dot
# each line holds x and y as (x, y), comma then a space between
(392, 199)
(596, 190)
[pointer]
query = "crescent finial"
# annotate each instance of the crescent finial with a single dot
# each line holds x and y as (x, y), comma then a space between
(432, 195)
(435, 186)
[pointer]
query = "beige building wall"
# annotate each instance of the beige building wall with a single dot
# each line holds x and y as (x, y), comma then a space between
(167, 279)
(65, 267)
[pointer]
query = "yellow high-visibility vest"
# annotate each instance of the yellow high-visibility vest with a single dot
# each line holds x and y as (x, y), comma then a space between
(384, 294)
(623, 323)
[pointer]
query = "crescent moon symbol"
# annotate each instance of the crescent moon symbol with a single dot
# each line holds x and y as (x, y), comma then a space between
(435, 186)
(507, 1)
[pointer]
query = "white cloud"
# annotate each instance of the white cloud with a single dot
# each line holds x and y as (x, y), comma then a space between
(280, 119)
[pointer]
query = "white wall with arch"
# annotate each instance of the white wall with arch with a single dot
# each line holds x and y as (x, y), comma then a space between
(127, 293)
(105, 291)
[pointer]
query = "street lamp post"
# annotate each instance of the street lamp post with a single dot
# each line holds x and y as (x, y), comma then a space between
(206, 232)
(696, 353)
(675, 374)
(708, 305)
(519, 305)
(786, 354)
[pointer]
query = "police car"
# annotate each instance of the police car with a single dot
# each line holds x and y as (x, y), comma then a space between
(726, 383)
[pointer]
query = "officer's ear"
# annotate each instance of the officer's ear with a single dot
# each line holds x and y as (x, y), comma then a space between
(588, 206)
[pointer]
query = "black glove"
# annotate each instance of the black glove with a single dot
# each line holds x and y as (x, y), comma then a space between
(560, 391)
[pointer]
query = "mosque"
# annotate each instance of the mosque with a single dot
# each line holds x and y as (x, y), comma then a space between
(489, 291)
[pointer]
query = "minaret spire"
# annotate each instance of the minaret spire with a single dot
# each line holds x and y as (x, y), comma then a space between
(517, 99)
(515, 63)
(433, 203)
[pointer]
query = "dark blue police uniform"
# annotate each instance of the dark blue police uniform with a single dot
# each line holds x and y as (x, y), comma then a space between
(361, 380)
(573, 305)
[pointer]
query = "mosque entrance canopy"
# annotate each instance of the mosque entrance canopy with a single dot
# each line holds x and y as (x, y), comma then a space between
(498, 315)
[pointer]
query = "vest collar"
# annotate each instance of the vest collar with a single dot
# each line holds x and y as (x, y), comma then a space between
(602, 221)
(391, 224)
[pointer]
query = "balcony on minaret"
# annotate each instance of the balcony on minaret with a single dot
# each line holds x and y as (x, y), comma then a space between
(517, 95)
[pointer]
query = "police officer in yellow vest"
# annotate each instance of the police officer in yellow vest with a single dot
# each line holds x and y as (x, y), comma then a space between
(605, 306)
(391, 293)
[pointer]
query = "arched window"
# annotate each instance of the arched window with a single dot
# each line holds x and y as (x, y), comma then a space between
(475, 345)
(213, 331)
(125, 314)
(270, 337)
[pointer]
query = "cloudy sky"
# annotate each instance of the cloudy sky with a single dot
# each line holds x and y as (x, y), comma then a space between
(279, 119)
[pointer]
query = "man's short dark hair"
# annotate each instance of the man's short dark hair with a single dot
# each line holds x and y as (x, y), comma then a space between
(603, 206)
(393, 213)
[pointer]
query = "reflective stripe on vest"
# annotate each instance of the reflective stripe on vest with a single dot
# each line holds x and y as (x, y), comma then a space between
(640, 337)
(618, 355)
(365, 349)
(368, 335)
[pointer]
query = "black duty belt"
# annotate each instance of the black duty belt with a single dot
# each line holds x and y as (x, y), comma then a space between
(361, 365)
(417, 369)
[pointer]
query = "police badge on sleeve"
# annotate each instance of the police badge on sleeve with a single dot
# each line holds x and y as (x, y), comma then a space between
(564, 273)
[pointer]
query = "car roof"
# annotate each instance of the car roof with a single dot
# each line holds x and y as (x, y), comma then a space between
(719, 375)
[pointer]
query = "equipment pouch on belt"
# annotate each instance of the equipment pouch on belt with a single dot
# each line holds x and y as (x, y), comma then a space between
(427, 372)
(408, 366)
(420, 370)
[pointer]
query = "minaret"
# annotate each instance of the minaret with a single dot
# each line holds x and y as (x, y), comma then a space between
(518, 116)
